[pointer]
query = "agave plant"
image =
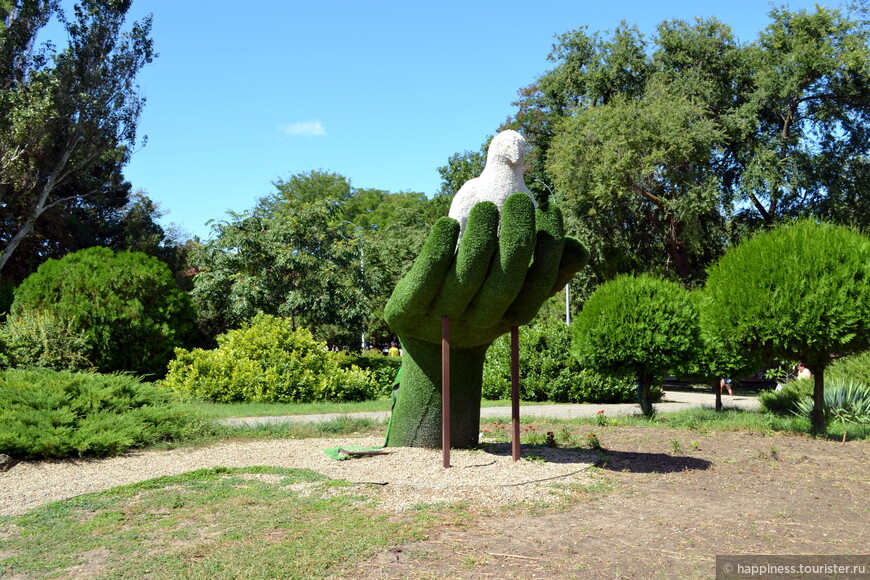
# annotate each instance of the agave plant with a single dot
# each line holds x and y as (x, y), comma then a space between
(847, 401)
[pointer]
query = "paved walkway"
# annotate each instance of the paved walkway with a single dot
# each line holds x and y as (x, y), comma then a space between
(673, 401)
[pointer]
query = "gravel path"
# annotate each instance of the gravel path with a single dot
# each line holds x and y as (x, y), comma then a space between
(407, 476)
(673, 401)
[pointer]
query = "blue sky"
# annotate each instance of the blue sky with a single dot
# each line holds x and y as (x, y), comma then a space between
(382, 92)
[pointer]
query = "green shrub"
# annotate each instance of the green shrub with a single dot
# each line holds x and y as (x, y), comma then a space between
(855, 367)
(548, 371)
(44, 340)
(382, 368)
(591, 387)
(785, 401)
(125, 307)
(267, 361)
(50, 414)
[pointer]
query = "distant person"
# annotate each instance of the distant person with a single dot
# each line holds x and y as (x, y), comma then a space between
(394, 349)
(804, 372)
(726, 384)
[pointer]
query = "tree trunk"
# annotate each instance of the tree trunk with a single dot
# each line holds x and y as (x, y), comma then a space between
(59, 173)
(717, 388)
(817, 415)
(677, 249)
(643, 394)
(16, 240)
(416, 420)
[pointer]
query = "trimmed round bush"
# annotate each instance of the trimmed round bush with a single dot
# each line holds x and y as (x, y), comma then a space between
(267, 361)
(643, 325)
(124, 308)
(800, 292)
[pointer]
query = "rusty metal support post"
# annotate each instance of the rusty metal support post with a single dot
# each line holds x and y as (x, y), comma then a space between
(445, 391)
(515, 391)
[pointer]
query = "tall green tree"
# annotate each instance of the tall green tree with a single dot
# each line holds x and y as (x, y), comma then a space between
(391, 229)
(663, 150)
(799, 292)
(68, 119)
(295, 264)
(810, 99)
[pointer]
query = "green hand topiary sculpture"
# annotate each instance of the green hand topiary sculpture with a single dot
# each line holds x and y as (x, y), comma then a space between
(497, 278)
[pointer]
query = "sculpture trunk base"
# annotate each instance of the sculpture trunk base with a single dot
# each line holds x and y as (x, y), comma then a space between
(416, 420)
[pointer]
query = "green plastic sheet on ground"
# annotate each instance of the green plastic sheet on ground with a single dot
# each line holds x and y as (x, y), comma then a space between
(342, 453)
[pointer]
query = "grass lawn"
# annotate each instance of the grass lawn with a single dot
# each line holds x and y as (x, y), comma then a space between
(214, 523)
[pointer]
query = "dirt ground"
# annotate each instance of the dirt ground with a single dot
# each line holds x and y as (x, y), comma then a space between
(663, 506)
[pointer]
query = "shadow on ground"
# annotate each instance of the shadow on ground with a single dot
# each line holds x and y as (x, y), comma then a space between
(651, 462)
(544, 453)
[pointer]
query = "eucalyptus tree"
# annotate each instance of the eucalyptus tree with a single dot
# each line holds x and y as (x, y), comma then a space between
(68, 118)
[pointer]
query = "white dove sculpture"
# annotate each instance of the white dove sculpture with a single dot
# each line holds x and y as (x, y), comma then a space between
(501, 177)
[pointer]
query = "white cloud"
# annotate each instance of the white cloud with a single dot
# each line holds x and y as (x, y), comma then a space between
(312, 128)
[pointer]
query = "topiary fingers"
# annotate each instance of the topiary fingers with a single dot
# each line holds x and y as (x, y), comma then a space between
(544, 269)
(414, 293)
(516, 243)
(476, 248)
(574, 257)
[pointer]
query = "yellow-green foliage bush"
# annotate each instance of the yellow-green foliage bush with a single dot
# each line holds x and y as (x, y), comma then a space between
(267, 361)
(36, 339)
(382, 368)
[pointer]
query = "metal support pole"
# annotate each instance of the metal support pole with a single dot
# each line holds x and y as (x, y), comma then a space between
(515, 391)
(568, 304)
(445, 391)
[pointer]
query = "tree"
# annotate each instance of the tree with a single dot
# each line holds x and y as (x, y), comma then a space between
(663, 151)
(713, 361)
(643, 324)
(655, 152)
(316, 250)
(66, 128)
(799, 292)
(125, 306)
(295, 264)
(460, 168)
(391, 228)
(810, 101)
